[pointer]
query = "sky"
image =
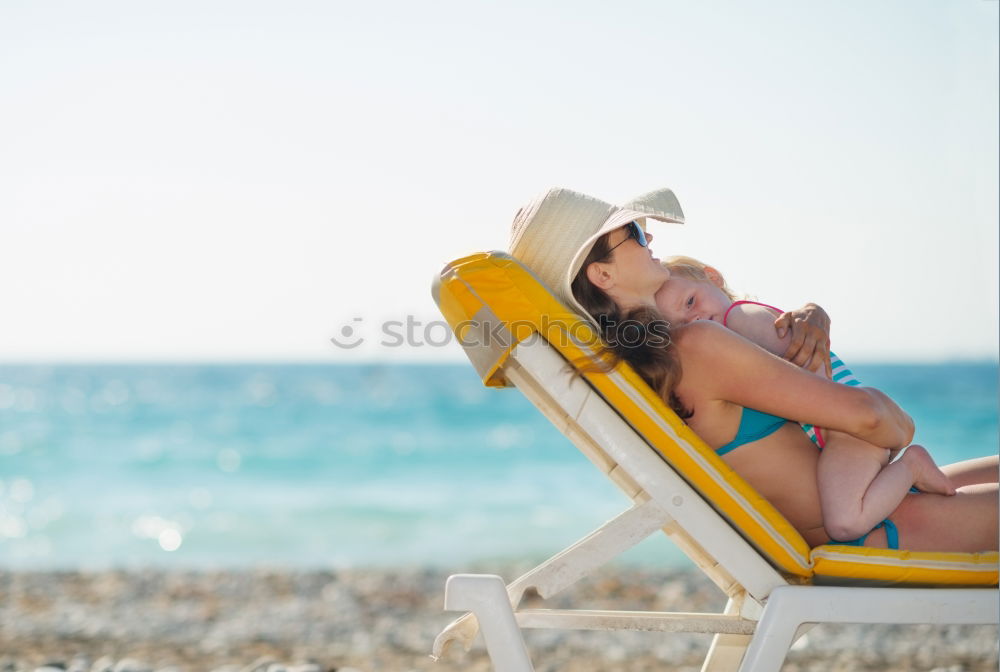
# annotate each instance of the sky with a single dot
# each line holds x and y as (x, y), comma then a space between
(243, 181)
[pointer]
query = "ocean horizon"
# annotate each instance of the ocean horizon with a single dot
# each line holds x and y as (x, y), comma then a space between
(312, 465)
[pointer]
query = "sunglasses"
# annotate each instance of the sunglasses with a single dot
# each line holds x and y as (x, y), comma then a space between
(634, 232)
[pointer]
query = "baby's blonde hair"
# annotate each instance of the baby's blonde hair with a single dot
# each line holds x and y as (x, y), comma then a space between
(694, 269)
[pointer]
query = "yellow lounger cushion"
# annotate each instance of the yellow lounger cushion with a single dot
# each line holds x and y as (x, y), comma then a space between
(843, 564)
(495, 286)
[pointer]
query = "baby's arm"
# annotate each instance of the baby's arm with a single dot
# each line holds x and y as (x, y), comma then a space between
(756, 324)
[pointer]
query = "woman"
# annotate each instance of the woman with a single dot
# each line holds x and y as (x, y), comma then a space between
(728, 389)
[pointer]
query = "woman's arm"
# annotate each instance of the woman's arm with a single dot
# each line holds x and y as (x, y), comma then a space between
(720, 365)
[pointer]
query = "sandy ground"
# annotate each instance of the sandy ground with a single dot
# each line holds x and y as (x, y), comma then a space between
(368, 620)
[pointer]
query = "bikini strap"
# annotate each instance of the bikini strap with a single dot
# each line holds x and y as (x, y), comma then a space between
(752, 303)
(891, 534)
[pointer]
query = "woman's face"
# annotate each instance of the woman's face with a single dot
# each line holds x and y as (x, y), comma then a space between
(637, 273)
(683, 300)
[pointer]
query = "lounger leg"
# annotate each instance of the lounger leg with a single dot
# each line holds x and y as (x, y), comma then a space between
(774, 635)
(486, 596)
(726, 651)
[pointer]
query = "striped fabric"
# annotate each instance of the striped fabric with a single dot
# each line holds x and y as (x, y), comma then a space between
(840, 374)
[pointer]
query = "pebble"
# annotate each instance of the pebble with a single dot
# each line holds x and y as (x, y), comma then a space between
(79, 664)
(264, 664)
(131, 665)
(103, 664)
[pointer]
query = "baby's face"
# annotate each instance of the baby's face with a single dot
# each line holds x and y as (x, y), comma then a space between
(682, 300)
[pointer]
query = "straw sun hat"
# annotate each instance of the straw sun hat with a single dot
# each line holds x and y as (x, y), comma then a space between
(553, 234)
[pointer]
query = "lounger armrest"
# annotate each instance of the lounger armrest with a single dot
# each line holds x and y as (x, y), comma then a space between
(486, 596)
(462, 630)
(566, 567)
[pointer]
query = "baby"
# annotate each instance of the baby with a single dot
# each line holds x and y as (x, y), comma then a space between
(858, 485)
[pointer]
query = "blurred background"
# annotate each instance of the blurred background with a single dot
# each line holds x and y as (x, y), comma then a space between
(219, 223)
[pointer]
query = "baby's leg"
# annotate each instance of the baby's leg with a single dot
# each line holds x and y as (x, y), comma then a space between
(927, 476)
(846, 469)
(858, 491)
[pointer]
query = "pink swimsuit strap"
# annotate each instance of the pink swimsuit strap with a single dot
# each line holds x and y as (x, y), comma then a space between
(752, 303)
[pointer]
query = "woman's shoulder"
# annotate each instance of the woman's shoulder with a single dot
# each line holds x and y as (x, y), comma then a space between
(701, 335)
(713, 344)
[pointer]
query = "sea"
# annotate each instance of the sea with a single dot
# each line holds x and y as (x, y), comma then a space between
(336, 466)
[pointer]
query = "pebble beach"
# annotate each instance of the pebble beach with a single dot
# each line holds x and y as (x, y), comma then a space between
(386, 620)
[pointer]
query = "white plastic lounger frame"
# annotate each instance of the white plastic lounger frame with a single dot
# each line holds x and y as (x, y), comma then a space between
(788, 608)
(745, 632)
(765, 611)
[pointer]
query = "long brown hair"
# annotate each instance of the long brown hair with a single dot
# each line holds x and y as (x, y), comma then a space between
(639, 336)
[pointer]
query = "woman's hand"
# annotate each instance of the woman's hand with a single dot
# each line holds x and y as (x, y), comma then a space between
(810, 344)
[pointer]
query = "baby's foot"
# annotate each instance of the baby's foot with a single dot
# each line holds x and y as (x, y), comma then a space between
(927, 477)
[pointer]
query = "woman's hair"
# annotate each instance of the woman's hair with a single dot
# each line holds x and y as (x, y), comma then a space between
(638, 336)
(694, 269)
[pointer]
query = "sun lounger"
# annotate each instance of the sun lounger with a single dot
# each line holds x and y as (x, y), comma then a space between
(517, 334)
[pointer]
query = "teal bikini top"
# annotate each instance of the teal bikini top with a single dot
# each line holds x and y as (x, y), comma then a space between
(754, 425)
